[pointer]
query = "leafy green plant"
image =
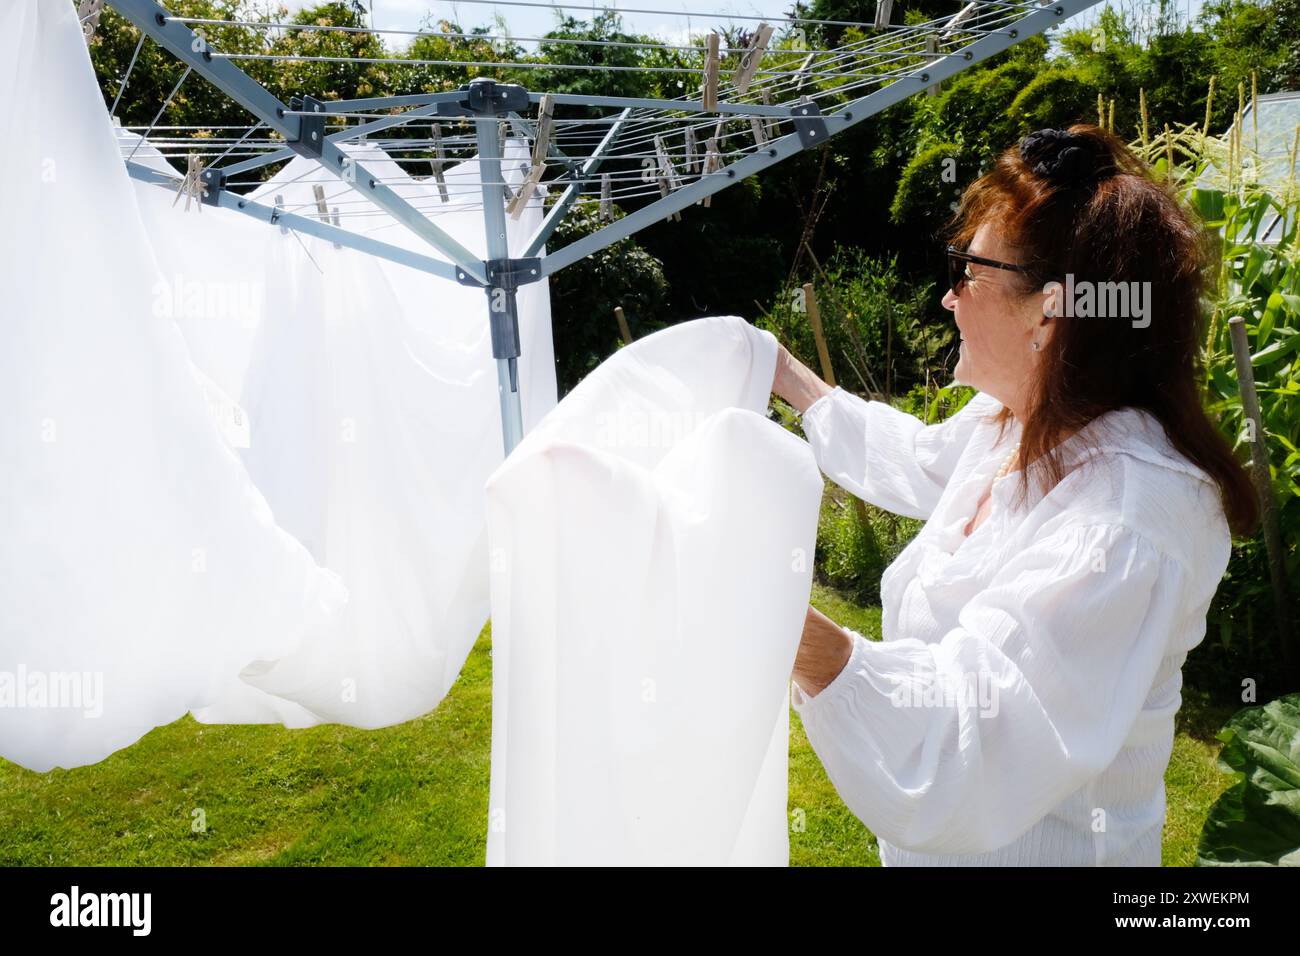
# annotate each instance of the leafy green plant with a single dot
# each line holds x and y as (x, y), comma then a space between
(1256, 822)
(874, 322)
(584, 295)
(1260, 282)
(856, 542)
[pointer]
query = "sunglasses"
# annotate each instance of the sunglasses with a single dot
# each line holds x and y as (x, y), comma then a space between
(959, 267)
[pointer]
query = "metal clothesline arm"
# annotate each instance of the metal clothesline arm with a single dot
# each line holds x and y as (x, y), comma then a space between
(428, 107)
(362, 129)
(557, 211)
(181, 42)
(678, 106)
(305, 225)
(782, 148)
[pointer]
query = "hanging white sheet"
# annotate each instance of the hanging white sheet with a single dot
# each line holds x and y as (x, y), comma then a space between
(372, 397)
(139, 566)
(651, 546)
(135, 547)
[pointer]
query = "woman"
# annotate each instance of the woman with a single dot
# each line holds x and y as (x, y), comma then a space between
(1020, 708)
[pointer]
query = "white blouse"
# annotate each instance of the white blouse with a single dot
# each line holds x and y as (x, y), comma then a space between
(1020, 707)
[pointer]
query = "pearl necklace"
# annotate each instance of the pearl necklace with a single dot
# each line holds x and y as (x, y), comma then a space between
(1006, 465)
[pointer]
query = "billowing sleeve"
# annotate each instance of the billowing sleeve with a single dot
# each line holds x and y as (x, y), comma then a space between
(960, 746)
(886, 456)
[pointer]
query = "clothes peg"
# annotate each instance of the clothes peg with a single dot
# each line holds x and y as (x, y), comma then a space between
(883, 9)
(520, 199)
(801, 75)
(323, 210)
(664, 192)
(961, 17)
(711, 63)
(541, 146)
(712, 163)
(440, 157)
(88, 12)
(191, 186)
(606, 213)
(759, 130)
(667, 171)
(744, 74)
(545, 118)
(771, 123)
(932, 52)
(689, 163)
(279, 208)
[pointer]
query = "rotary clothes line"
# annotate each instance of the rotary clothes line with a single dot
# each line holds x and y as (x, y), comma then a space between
(651, 550)
(144, 574)
(300, 556)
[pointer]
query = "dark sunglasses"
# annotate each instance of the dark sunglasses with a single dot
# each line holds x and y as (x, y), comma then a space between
(959, 270)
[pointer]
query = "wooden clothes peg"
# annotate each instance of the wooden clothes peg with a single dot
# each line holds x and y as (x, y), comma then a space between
(541, 146)
(279, 208)
(519, 200)
(667, 176)
(801, 75)
(664, 192)
(688, 163)
(88, 12)
(932, 51)
(712, 163)
(717, 129)
(322, 209)
(545, 121)
(883, 10)
(440, 158)
(771, 124)
(961, 17)
(192, 185)
(744, 74)
(606, 211)
(667, 171)
(709, 100)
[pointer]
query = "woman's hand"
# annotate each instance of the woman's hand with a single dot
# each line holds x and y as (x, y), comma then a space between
(824, 649)
(795, 382)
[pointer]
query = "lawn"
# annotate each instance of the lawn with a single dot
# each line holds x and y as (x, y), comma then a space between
(415, 794)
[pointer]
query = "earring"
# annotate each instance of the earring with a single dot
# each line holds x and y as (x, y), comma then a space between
(1036, 346)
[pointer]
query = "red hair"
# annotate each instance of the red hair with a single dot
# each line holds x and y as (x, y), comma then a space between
(1096, 213)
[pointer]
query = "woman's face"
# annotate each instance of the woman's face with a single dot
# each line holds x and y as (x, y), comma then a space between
(998, 325)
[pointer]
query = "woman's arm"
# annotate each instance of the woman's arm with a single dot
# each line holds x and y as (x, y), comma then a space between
(795, 382)
(873, 450)
(824, 649)
(961, 745)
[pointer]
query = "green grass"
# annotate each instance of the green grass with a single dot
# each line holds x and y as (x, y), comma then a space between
(411, 794)
(415, 794)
